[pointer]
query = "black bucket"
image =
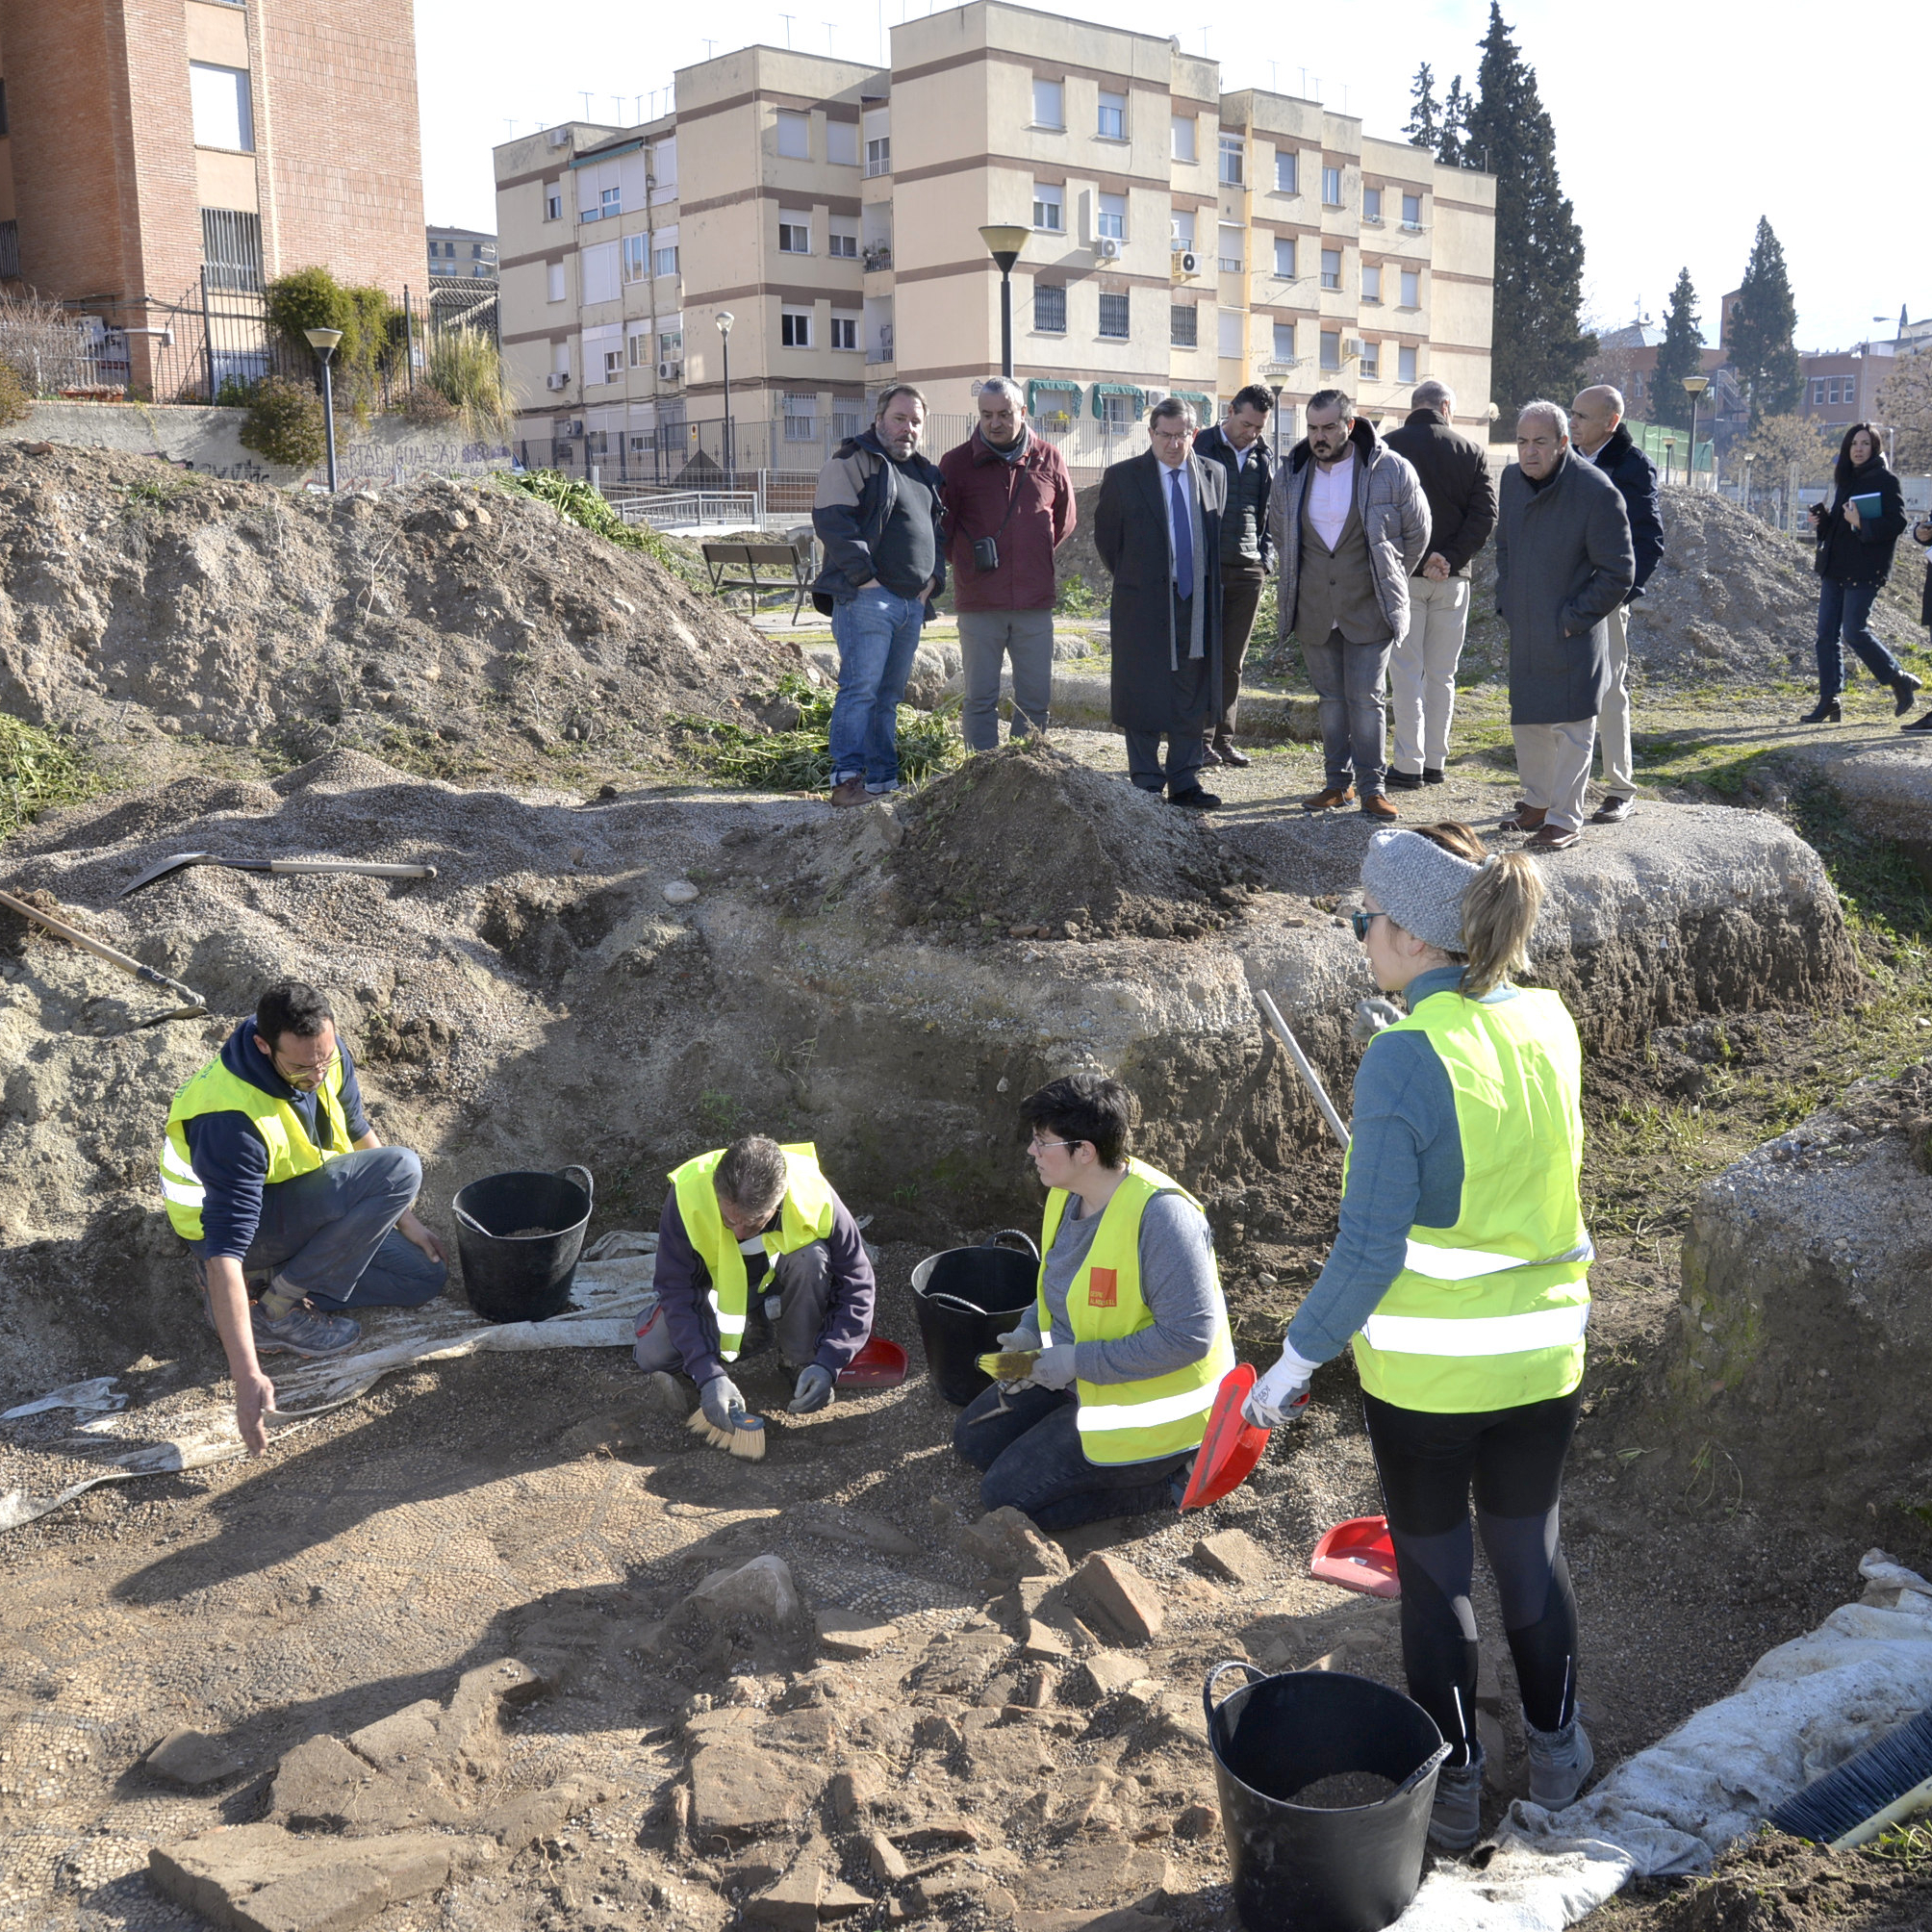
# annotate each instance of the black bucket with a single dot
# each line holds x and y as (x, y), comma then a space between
(1298, 1868)
(508, 1275)
(967, 1299)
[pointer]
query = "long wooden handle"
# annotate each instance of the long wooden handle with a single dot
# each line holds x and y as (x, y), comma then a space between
(101, 950)
(281, 865)
(1301, 1060)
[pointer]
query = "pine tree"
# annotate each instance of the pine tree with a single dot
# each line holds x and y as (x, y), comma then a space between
(1424, 116)
(1539, 342)
(1763, 327)
(1680, 354)
(1452, 145)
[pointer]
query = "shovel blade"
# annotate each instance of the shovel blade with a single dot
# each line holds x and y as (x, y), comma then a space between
(162, 870)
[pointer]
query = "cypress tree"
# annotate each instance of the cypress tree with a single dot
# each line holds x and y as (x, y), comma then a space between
(1763, 326)
(1425, 116)
(1540, 345)
(1678, 355)
(1452, 145)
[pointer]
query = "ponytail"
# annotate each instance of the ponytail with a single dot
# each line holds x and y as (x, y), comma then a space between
(1499, 913)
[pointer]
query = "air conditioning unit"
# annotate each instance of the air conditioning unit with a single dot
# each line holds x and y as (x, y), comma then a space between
(1107, 249)
(671, 371)
(1185, 261)
(1351, 348)
(574, 427)
(560, 136)
(557, 379)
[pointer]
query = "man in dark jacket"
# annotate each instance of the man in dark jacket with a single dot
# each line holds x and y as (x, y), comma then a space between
(1597, 433)
(1009, 489)
(1455, 474)
(1564, 562)
(878, 515)
(1239, 445)
(1158, 529)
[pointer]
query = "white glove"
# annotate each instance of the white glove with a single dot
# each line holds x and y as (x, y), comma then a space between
(1282, 1394)
(1055, 1368)
(1371, 1016)
(1022, 1340)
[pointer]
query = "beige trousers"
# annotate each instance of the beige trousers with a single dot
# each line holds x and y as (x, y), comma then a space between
(1613, 722)
(1422, 673)
(1553, 763)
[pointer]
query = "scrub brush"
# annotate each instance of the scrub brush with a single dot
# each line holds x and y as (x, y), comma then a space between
(1014, 1365)
(745, 1442)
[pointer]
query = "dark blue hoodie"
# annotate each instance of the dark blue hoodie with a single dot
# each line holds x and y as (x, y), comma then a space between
(230, 1159)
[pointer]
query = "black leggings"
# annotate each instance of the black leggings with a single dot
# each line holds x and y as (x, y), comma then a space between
(1514, 1459)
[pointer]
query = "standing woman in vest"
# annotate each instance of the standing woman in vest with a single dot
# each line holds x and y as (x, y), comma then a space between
(1460, 1269)
(1129, 1323)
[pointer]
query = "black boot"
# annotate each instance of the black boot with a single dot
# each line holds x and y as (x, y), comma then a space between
(1827, 712)
(1904, 688)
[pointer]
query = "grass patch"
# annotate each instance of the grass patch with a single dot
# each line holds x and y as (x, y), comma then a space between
(1883, 892)
(38, 771)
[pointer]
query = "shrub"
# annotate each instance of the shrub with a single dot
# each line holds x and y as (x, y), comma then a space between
(466, 368)
(372, 327)
(285, 424)
(38, 771)
(16, 399)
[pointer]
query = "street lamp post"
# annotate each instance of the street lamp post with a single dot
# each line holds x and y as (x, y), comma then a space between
(1004, 242)
(724, 320)
(1670, 458)
(323, 342)
(1694, 386)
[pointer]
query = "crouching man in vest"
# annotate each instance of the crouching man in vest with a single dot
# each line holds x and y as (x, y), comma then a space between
(1130, 1324)
(753, 1248)
(270, 1169)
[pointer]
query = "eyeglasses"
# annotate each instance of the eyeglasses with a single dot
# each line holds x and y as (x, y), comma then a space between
(1038, 1146)
(289, 1069)
(1363, 921)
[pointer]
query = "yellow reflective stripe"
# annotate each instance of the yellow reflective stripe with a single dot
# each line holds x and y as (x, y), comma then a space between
(1105, 1416)
(1468, 1264)
(182, 1197)
(1478, 1335)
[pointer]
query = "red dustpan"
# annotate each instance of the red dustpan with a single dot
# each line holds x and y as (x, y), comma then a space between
(878, 1364)
(1231, 1445)
(1357, 1555)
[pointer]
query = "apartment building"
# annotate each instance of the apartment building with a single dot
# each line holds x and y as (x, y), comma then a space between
(461, 254)
(147, 141)
(1179, 241)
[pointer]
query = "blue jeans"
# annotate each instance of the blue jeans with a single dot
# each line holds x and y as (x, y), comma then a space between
(330, 1236)
(1844, 611)
(876, 632)
(1348, 679)
(1032, 1459)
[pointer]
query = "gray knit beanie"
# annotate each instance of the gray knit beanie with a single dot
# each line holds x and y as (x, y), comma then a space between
(1419, 885)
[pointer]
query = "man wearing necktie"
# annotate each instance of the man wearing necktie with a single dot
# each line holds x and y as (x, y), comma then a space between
(1157, 528)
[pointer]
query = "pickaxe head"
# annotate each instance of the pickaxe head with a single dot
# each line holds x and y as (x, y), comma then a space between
(167, 865)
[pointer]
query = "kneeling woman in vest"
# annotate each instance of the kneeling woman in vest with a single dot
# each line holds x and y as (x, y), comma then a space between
(1130, 1321)
(1460, 1269)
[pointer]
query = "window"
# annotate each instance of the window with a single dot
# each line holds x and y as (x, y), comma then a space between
(1371, 282)
(598, 272)
(1111, 219)
(1330, 268)
(1285, 257)
(794, 136)
(1371, 204)
(1287, 173)
(1049, 105)
(1119, 412)
(1232, 148)
(1332, 187)
(844, 331)
(1112, 122)
(671, 345)
(664, 165)
(847, 422)
(878, 156)
(1405, 365)
(554, 204)
(560, 358)
(224, 115)
(1284, 341)
(1180, 228)
(1231, 333)
(794, 328)
(842, 243)
(1183, 138)
(1817, 394)
(1050, 209)
(795, 233)
(555, 276)
(1229, 248)
(1050, 308)
(801, 419)
(613, 364)
(1331, 349)
(1411, 211)
(664, 262)
(638, 348)
(1411, 288)
(1184, 327)
(231, 246)
(1113, 317)
(842, 143)
(1371, 362)
(610, 202)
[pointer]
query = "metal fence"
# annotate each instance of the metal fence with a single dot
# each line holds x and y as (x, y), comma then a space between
(694, 509)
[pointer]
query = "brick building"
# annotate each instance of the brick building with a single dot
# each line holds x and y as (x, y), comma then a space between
(145, 141)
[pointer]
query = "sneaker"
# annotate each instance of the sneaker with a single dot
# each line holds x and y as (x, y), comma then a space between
(1404, 781)
(1432, 774)
(303, 1330)
(1904, 688)
(1456, 1820)
(1613, 811)
(1560, 1762)
(1329, 800)
(1376, 807)
(851, 792)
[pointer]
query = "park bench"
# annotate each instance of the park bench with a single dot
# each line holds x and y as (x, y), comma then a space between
(761, 569)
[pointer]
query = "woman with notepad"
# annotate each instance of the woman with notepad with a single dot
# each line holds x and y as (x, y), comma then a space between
(1856, 536)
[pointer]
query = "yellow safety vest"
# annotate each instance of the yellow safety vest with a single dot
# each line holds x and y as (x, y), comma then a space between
(1490, 1313)
(805, 1216)
(1132, 1421)
(291, 1151)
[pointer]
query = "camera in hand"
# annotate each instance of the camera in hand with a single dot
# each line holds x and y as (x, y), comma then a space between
(986, 553)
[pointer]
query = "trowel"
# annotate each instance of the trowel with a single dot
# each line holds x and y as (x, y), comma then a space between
(281, 867)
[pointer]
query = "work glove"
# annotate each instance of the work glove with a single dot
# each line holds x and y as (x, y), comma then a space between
(722, 1405)
(813, 1392)
(1282, 1394)
(1022, 1340)
(1371, 1016)
(1054, 1368)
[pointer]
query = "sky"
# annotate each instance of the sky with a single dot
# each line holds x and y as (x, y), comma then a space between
(1670, 170)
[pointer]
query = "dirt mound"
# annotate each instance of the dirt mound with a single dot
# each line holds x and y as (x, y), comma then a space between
(455, 624)
(1029, 837)
(1776, 1884)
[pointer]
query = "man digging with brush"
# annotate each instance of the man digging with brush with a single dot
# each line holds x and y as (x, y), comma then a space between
(753, 1247)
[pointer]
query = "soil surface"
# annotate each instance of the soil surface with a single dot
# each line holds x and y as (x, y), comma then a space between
(1776, 1884)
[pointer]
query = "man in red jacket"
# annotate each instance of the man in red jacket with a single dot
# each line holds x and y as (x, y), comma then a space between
(1009, 506)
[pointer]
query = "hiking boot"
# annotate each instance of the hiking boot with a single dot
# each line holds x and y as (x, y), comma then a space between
(1456, 1820)
(852, 792)
(1329, 800)
(1904, 688)
(1559, 1761)
(302, 1330)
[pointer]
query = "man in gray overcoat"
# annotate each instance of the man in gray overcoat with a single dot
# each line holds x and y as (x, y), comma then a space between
(1564, 562)
(1158, 529)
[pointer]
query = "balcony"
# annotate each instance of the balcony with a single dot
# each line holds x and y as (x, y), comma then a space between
(877, 256)
(880, 348)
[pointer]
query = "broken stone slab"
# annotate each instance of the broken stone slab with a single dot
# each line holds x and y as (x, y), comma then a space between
(1105, 1672)
(887, 1861)
(855, 1789)
(1041, 1644)
(741, 1790)
(853, 1635)
(1120, 1598)
(1007, 1754)
(792, 1904)
(760, 1592)
(958, 1663)
(1234, 1555)
(1009, 1543)
(323, 1784)
(427, 1741)
(523, 1818)
(191, 1758)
